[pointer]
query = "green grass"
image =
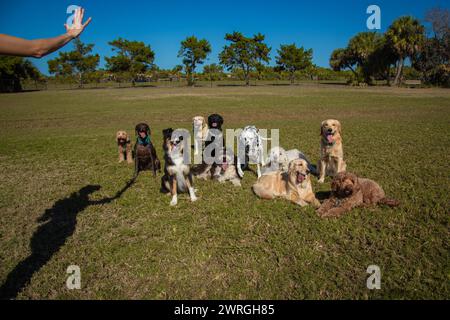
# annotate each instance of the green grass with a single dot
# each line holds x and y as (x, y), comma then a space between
(229, 244)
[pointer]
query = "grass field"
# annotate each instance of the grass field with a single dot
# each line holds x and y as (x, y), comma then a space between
(61, 205)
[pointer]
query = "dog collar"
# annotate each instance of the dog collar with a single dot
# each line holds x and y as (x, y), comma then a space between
(145, 141)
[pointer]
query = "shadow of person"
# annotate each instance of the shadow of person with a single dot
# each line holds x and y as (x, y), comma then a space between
(58, 224)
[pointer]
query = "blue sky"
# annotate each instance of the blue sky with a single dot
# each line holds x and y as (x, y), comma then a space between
(320, 25)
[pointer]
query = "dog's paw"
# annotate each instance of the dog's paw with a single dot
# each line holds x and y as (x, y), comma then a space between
(321, 180)
(194, 198)
(174, 201)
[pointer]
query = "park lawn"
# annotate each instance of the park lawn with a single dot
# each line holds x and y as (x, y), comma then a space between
(228, 244)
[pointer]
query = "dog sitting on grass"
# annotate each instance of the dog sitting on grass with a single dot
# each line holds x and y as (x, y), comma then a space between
(124, 146)
(177, 175)
(144, 151)
(331, 150)
(349, 191)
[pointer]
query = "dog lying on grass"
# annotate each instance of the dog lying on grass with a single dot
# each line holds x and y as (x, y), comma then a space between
(177, 175)
(278, 157)
(294, 185)
(227, 170)
(348, 192)
(124, 146)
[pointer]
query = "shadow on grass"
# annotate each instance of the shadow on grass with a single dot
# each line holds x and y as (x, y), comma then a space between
(323, 195)
(59, 223)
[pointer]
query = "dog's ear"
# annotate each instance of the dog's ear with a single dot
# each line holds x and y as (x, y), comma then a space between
(321, 127)
(339, 127)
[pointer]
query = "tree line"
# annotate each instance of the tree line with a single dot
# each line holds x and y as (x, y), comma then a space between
(368, 57)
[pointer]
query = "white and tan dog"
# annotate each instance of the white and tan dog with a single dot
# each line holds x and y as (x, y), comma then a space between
(331, 150)
(124, 146)
(227, 171)
(294, 185)
(177, 175)
(200, 128)
(279, 160)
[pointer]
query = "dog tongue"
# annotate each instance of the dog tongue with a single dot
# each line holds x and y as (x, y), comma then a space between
(329, 138)
(300, 178)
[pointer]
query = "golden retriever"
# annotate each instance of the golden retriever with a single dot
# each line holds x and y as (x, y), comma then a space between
(124, 146)
(294, 185)
(331, 151)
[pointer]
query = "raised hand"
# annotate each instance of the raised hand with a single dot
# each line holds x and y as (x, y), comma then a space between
(77, 26)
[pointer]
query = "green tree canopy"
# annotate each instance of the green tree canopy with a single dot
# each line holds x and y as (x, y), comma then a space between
(194, 52)
(13, 70)
(366, 55)
(244, 53)
(133, 57)
(78, 62)
(405, 36)
(213, 72)
(292, 59)
(342, 59)
(433, 59)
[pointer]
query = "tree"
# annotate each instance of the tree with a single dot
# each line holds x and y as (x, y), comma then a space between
(194, 52)
(292, 59)
(244, 53)
(342, 59)
(367, 55)
(13, 70)
(380, 60)
(133, 58)
(433, 60)
(176, 71)
(405, 36)
(78, 62)
(213, 72)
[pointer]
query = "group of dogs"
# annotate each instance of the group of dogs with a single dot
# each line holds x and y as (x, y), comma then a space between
(284, 173)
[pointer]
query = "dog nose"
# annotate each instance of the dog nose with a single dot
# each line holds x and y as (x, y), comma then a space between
(330, 130)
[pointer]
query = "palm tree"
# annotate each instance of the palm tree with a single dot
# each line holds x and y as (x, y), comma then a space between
(361, 47)
(405, 36)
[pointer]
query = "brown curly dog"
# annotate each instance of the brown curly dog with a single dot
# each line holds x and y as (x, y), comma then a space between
(348, 192)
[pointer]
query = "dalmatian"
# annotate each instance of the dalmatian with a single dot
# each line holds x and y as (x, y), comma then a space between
(250, 142)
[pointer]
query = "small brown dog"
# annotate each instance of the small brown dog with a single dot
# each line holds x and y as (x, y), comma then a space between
(294, 185)
(331, 151)
(124, 146)
(348, 192)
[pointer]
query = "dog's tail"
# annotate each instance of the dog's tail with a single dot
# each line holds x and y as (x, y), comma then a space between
(390, 202)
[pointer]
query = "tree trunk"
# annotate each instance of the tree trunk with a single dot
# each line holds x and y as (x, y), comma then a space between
(292, 78)
(399, 71)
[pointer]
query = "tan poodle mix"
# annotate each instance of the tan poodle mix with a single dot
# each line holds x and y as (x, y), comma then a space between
(294, 185)
(348, 192)
(331, 151)
(124, 146)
